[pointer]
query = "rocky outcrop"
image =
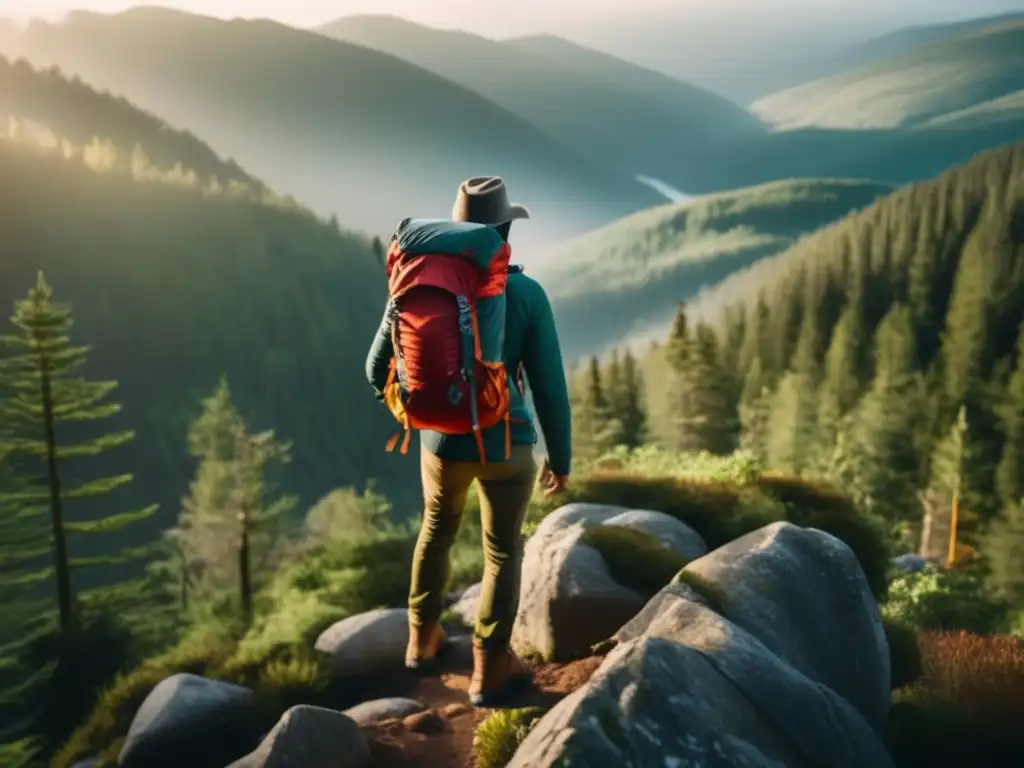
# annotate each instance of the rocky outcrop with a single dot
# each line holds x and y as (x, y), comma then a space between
(767, 652)
(190, 720)
(366, 644)
(308, 736)
(569, 600)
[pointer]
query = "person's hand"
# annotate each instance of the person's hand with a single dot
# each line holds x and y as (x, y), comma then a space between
(550, 483)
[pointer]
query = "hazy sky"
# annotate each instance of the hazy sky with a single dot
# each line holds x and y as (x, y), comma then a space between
(519, 16)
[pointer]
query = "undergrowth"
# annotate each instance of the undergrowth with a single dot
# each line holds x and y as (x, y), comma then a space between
(498, 737)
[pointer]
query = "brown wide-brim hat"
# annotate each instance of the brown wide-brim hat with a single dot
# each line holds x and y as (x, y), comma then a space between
(484, 200)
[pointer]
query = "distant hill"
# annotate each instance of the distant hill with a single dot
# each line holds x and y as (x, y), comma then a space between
(910, 89)
(76, 112)
(628, 276)
(176, 281)
(617, 113)
(345, 128)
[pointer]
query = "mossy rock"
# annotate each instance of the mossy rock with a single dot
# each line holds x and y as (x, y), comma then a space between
(636, 560)
(904, 653)
(722, 512)
(498, 737)
(711, 594)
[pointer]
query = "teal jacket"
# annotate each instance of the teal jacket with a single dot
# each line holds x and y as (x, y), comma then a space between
(530, 340)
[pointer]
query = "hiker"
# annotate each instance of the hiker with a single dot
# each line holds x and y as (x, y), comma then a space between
(474, 427)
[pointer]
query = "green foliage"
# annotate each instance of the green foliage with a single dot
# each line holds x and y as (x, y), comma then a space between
(904, 653)
(952, 600)
(635, 560)
(967, 706)
(595, 427)
(498, 737)
(1004, 550)
(711, 594)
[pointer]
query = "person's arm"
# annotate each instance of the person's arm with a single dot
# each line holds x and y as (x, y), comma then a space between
(542, 361)
(378, 360)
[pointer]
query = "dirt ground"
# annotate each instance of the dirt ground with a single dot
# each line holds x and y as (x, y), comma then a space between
(442, 736)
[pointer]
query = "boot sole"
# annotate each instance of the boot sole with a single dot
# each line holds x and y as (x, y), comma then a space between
(503, 696)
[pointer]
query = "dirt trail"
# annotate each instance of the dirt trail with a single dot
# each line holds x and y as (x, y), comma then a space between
(442, 737)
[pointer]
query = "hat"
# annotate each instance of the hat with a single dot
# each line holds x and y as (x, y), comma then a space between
(484, 200)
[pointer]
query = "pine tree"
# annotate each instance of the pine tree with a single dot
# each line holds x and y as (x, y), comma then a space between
(754, 409)
(228, 520)
(882, 470)
(628, 404)
(791, 425)
(594, 429)
(46, 397)
(840, 387)
(1004, 548)
(1010, 472)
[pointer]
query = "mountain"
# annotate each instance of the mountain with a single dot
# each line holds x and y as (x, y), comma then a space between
(347, 129)
(941, 78)
(627, 277)
(175, 281)
(620, 114)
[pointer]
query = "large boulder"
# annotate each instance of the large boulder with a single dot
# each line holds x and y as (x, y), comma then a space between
(712, 695)
(465, 607)
(803, 595)
(191, 720)
(569, 599)
(308, 736)
(366, 644)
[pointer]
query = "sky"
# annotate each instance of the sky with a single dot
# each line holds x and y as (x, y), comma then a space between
(522, 16)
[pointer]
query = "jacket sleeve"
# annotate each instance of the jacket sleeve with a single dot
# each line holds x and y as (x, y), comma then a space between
(378, 359)
(542, 362)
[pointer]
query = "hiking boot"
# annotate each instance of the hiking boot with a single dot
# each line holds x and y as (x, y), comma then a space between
(498, 676)
(426, 644)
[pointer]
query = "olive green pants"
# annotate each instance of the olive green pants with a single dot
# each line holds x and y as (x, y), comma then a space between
(505, 491)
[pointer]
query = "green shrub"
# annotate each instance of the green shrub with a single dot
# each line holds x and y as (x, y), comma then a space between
(967, 707)
(904, 653)
(635, 559)
(498, 737)
(949, 600)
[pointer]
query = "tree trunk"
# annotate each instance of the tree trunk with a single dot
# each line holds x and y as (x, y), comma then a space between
(60, 548)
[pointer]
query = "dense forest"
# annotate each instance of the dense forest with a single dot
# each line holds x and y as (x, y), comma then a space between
(885, 352)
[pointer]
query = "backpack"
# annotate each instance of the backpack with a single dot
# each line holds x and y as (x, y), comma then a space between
(446, 299)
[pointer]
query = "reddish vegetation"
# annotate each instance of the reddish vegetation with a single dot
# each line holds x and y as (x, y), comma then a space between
(967, 707)
(443, 737)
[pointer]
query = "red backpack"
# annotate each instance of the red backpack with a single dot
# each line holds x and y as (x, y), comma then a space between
(446, 295)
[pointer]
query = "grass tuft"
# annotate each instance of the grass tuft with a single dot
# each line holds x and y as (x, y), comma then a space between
(498, 737)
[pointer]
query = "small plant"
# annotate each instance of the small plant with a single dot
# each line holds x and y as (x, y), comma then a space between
(498, 737)
(904, 654)
(951, 600)
(966, 708)
(635, 559)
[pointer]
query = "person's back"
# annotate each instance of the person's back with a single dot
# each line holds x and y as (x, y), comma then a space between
(506, 474)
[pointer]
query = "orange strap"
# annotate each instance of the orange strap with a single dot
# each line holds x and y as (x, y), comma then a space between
(476, 333)
(480, 444)
(508, 436)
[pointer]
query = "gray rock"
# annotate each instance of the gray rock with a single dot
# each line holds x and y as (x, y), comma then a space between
(465, 606)
(190, 720)
(366, 644)
(568, 599)
(802, 593)
(675, 535)
(383, 709)
(711, 696)
(308, 736)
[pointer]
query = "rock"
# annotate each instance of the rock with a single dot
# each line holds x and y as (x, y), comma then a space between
(452, 711)
(465, 606)
(912, 563)
(568, 599)
(310, 736)
(383, 709)
(677, 536)
(803, 595)
(428, 723)
(713, 696)
(190, 720)
(366, 644)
